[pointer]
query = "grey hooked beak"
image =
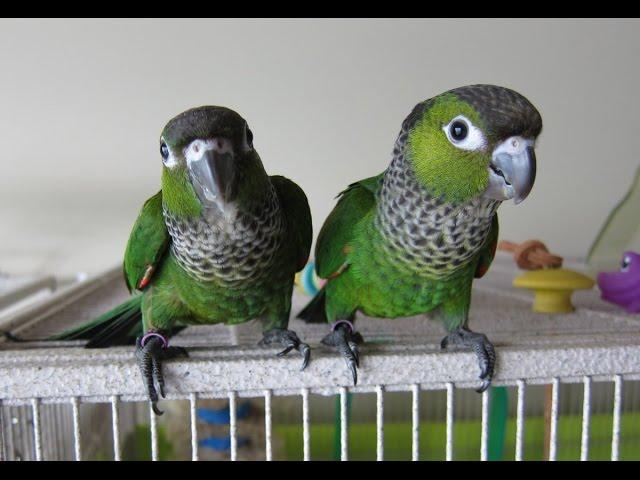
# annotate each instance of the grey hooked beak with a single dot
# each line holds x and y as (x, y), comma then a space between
(512, 170)
(212, 170)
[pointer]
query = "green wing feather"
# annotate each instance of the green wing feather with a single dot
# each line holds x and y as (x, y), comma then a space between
(337, 232)
(296, 208)
(488, 251)
(147, 243)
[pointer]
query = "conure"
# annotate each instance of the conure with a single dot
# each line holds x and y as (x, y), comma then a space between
(412, 239)
(219, 243)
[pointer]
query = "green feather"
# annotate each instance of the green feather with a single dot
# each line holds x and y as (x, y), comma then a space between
(355, 203)
(147, 243)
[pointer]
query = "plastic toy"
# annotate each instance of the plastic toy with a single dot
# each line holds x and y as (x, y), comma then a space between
(553, 288)
(622, 287)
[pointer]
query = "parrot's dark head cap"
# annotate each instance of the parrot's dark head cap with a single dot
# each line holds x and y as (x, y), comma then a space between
(504, 112)
(205, 122)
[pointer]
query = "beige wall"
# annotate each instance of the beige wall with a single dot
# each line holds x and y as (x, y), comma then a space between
(82, 104)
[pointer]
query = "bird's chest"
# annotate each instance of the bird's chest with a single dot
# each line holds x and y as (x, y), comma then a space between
(232, 253)
(426, 236)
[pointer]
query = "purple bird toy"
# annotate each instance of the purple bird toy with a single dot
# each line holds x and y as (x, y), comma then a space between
(623, 287)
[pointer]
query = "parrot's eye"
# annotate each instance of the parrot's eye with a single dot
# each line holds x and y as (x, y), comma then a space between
(164, 150)
(458, 130)
(626, 262)
(464, 134)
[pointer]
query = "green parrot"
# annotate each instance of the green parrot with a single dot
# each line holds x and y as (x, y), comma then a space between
(219, 243)
(412, 239)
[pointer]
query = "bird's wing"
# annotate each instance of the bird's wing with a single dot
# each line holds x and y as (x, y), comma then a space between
(147, 244)
(296, 209)
(336, 235)
(488, 251)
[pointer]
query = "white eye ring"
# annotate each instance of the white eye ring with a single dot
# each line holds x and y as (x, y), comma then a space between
(474, 139)
(170, 161)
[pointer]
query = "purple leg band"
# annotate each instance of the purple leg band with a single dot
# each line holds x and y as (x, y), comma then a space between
(346, 322)
(148, 335)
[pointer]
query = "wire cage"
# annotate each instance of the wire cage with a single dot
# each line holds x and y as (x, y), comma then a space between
(566, 387)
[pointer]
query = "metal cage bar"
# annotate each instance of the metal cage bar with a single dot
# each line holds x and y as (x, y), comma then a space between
(379, 423)
(553, 426)
(153, 425)
(520, 420)
(233, 427)
(450, 420)
(3, 441)
(37, 432)
(344, 429)
(77, 439)
(7, 432)
(586, 419)
(193, 408)
(415, 422)
(617, 414)
(306, 430)
(484, 432)
(267, 426)
(115, 428)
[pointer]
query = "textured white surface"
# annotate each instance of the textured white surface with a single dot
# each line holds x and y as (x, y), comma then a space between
(597, 340)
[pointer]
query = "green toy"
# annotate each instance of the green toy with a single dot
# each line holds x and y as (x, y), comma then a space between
(220, 243)
(412, 239)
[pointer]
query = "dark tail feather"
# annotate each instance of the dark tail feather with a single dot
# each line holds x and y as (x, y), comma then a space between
(119, 326)
(315, 311)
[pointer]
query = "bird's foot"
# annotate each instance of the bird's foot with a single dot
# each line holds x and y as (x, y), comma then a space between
(480, 344)
(151, 349)
(345, 340)
(289, 340)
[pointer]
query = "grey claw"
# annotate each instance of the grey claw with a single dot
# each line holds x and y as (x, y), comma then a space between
(150, 363)
(284, 352)
(346, 343)
(156, 410)
(354, 371)
(481, 346)
(484, 369)
(484, 385)
(356, 352)
(305, 350)
(290, 340)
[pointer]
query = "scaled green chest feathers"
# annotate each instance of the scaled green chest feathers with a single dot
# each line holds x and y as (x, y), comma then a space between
(423, 234)
(228, 251)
